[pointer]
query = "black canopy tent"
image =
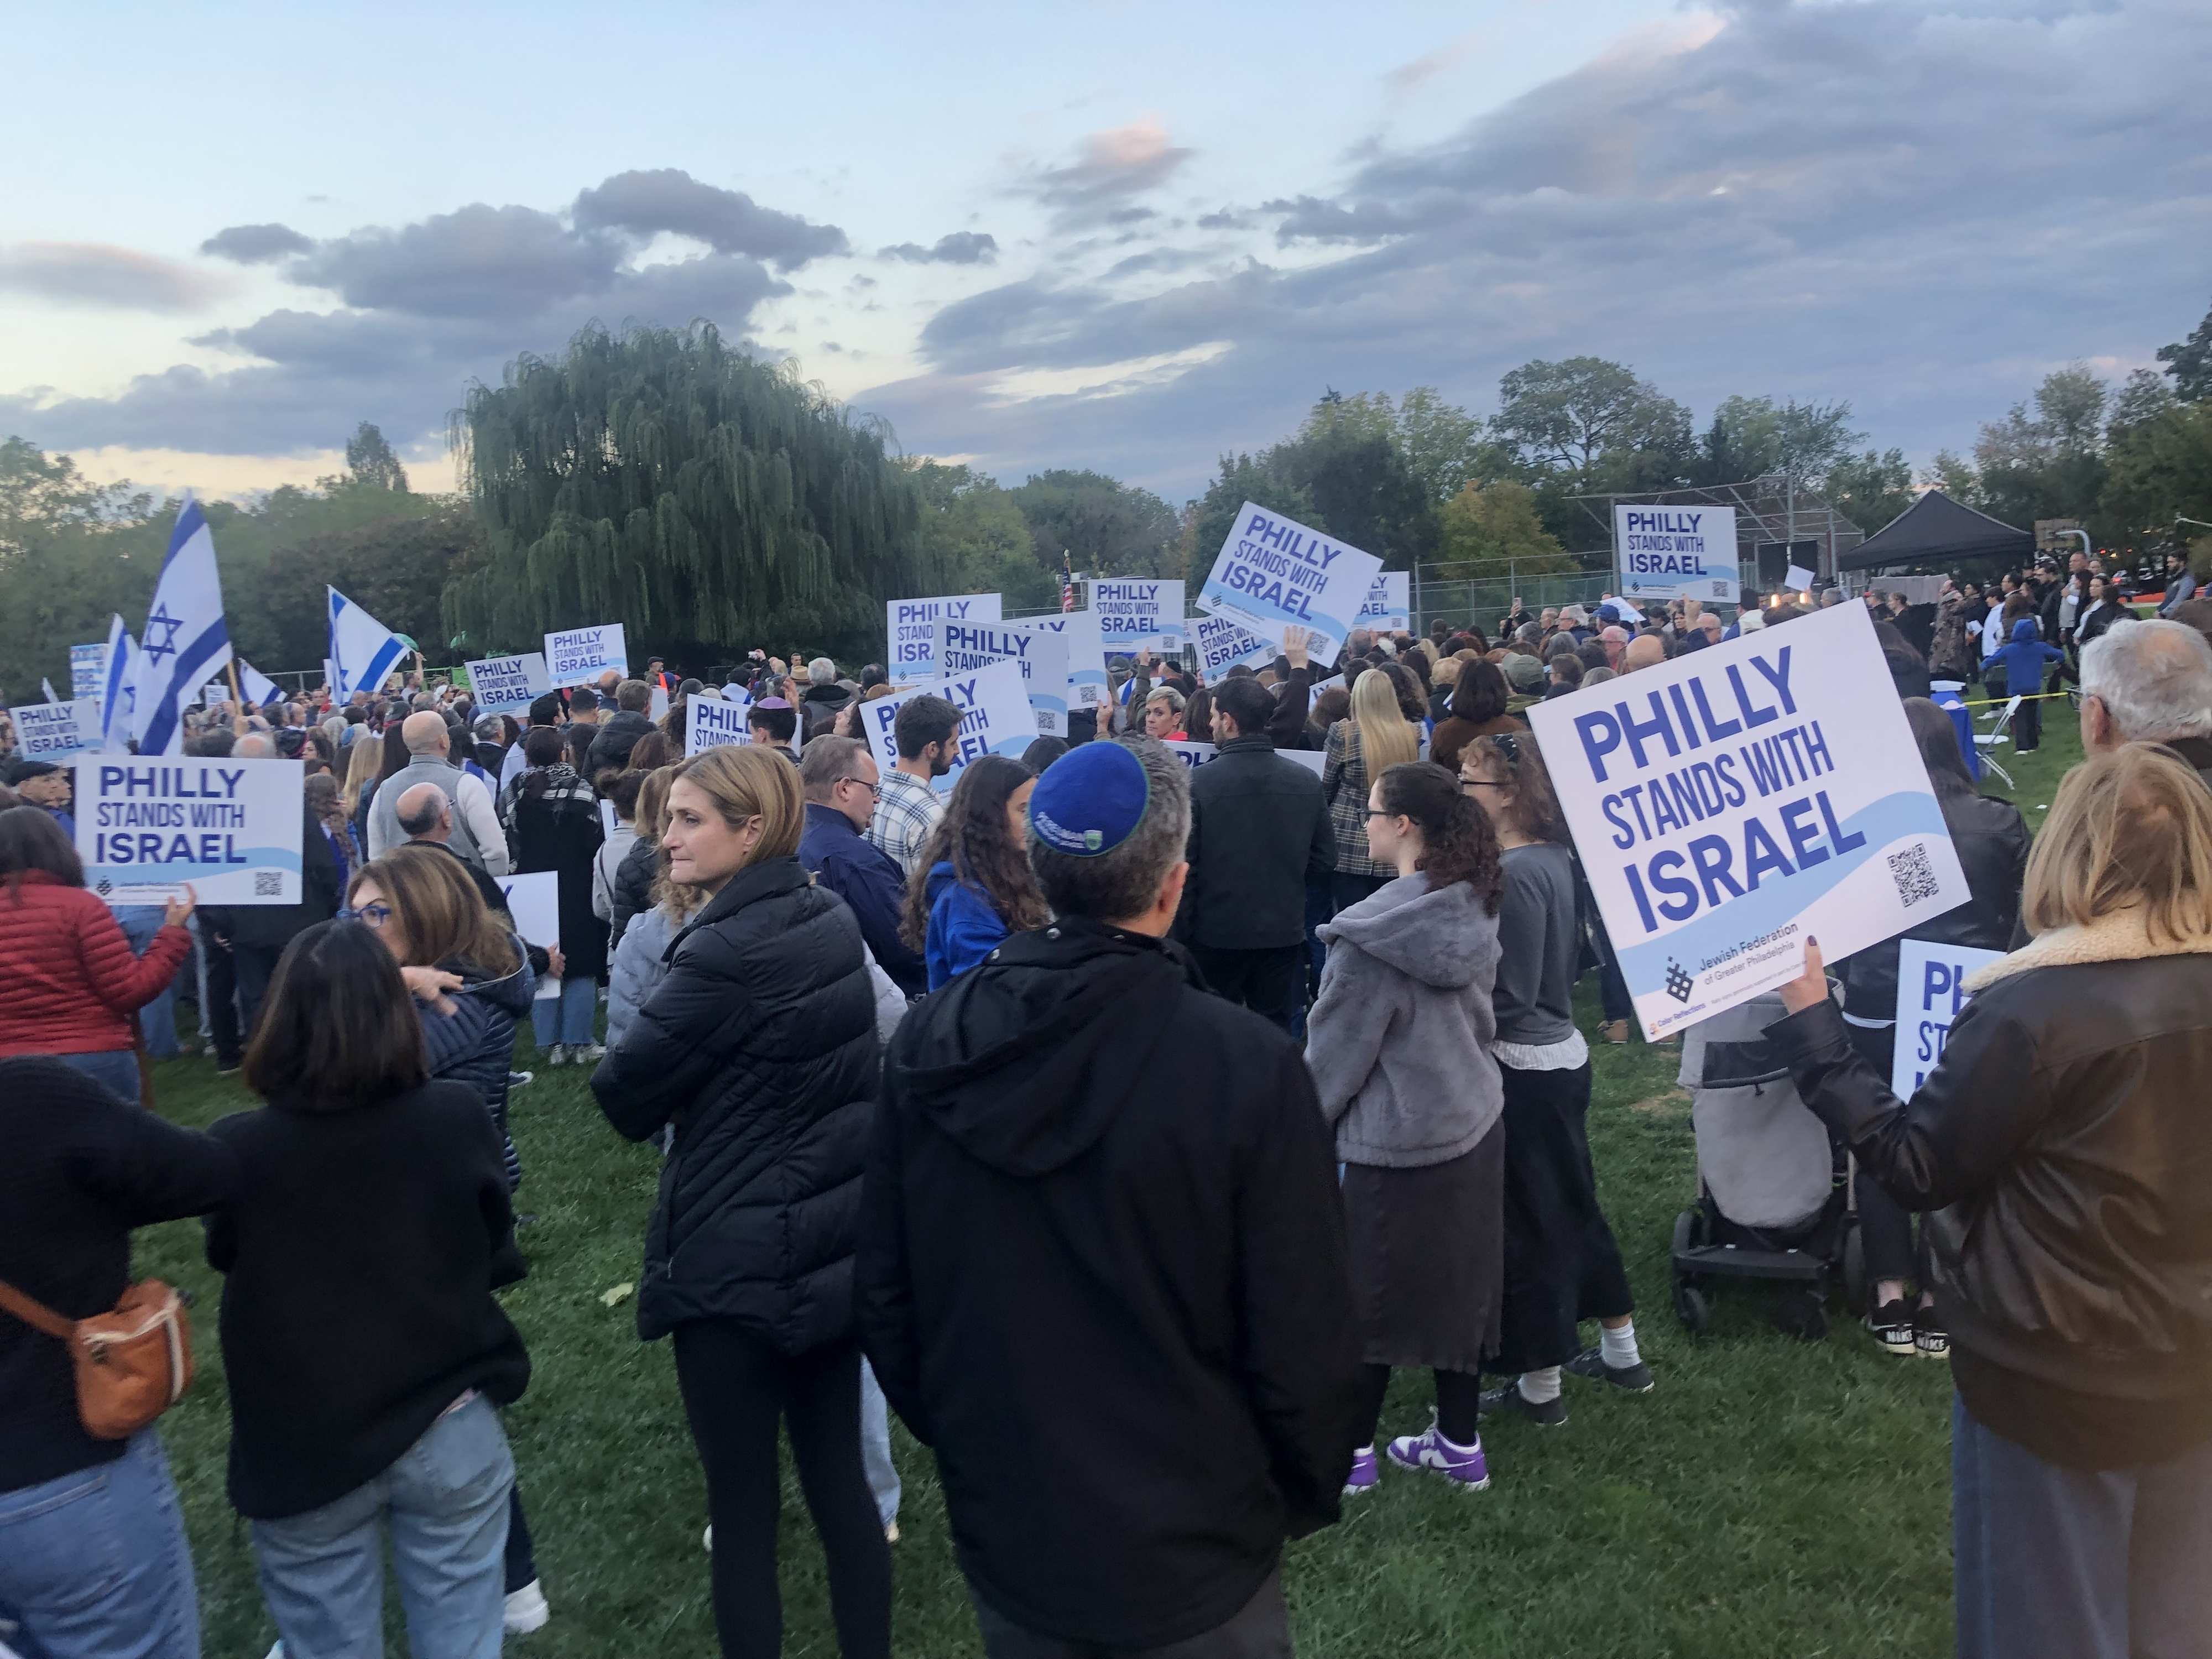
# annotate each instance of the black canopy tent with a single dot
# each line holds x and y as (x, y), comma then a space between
(1936, 530)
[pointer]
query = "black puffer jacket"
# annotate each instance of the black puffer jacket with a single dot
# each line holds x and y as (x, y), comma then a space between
(2063, 1140)
(760, 1046)
(632, 887)
(1992, 839)
(474, 1043)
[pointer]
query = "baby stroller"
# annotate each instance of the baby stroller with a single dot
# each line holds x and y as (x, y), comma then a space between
(1774, 1187)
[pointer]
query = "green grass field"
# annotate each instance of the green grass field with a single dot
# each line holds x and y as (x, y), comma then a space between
(1772, 1497)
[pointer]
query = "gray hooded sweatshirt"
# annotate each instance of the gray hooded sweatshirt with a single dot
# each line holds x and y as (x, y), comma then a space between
(1399, 1039)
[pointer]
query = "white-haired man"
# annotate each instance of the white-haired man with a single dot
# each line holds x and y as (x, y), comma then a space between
(2149, 682)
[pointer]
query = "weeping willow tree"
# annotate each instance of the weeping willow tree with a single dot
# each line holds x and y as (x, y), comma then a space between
(702, 499)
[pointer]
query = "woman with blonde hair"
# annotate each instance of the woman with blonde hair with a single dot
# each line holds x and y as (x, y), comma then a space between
(2062, 1143)
(759, 1045)
(1375, 736)
(364, 770)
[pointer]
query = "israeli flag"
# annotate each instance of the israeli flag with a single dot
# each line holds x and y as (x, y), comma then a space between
(258, 689)
(185, 640)
(119, 695)
(363, 648)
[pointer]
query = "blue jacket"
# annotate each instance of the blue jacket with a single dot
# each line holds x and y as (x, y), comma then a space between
(963, 929)
(2024, 658)
(869, 880)
(475, 1044)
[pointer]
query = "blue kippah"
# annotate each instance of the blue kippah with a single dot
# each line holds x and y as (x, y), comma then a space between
(1089, 800)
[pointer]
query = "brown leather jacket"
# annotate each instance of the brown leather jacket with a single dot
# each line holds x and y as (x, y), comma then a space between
(2063, 1142)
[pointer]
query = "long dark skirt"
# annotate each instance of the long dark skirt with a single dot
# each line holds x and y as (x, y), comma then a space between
(1427, 1257)
(1561, 1263)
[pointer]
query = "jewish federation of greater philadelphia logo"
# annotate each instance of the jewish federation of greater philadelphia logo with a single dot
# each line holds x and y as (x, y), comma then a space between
(1678, 981)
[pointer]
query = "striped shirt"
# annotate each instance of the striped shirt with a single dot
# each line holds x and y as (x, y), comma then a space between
(906, 813)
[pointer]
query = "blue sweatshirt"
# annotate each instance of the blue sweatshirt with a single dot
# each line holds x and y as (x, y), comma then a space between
(2024, 658)
(963, 929)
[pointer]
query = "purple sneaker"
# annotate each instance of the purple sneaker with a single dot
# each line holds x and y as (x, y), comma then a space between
(1366, 1473)
(1463, 1465)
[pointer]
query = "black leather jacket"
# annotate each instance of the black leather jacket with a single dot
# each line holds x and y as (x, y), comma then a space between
(2062, 1141)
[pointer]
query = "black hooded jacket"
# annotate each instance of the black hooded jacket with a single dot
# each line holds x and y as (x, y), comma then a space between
(760, 1046)
(1118, 1310)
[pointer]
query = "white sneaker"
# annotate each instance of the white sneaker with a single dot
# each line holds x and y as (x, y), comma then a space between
(276, 1652)
(517, 1080)
(556, 1055)
(707, 1542)
(589, 1053)
(526, 1610)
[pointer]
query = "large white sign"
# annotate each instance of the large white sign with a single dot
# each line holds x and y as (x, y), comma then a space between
(87, 669)
(1086, 657)
(1676, 552)
(230, 828)
(1730, 802)
(709, 722)
(56, 731)
(1223, 642)
(1931, 989)
(508, 686)
(534, 902)
(962, 647)
(1195, 755)
(578, 656)
(905, 626)
(1272, 572)
(1388, 607)
(1143, 614)
(995, 717)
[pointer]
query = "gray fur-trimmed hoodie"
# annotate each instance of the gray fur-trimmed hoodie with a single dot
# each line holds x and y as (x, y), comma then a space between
(1399, 1039)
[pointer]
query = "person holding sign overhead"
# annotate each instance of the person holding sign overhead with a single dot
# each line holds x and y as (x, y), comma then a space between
(2060, 1143)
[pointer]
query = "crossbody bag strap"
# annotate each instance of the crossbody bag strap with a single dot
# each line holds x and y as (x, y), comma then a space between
(36, 1315)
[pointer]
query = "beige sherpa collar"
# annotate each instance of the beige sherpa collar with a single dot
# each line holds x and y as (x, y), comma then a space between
(2123, 936)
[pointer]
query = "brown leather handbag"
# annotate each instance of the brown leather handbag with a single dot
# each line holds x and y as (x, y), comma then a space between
(132, 1365)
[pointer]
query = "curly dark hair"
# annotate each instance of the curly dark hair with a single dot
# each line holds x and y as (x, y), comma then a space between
(974, 839)
(1535, 812)
(1457, 841)
(1412, 695)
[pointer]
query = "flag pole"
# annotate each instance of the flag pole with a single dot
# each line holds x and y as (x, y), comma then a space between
(237, 702)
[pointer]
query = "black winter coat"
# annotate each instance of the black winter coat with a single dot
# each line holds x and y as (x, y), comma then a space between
(616, 737)
(1259, 831)
(760, 1046)
(1120, 1314)
(2062, 1142)
(632, 887)
(474, 1043)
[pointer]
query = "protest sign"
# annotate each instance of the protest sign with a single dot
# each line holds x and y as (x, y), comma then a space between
(905, 626)
(230, 828)
(1137, 616)
(1729, 803)
(1086, 657)
(657, 710)
(962, 647)
(995, 718)
(1799, 578)
(56, 731)
(1931, 989)
(1272, 572)
(87, 669)
(576, 656)
(710, 722)
(534, 902)
(1388, 607)
(608, 822)
(1223, 642)
(1195, 755)
(508, 686)
(1676, 552)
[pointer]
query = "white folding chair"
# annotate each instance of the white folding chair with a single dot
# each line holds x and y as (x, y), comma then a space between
(2000, 732)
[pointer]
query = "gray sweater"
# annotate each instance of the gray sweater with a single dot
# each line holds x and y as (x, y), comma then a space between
(1399, 1039)
(1537, 946)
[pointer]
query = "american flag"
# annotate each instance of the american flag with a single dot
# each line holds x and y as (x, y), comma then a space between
(1067, 583)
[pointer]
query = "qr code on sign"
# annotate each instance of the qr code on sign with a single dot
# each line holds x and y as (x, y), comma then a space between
(270, 884)
(1914, 876)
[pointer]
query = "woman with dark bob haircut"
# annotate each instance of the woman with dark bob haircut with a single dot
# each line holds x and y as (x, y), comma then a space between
(1477, 709)
(364, 1176)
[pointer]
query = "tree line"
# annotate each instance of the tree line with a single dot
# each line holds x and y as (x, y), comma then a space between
(711, 501)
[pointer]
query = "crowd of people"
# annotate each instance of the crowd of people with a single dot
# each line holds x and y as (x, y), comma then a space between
(901, 1048)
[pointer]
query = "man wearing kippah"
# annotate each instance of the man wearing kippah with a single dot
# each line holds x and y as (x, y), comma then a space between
(1124, 1326)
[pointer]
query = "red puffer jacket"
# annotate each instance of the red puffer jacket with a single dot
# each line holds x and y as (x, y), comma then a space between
(72, 981)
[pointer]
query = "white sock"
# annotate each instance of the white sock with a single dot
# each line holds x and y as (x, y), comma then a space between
(1540, 1388)
(1618, 1347)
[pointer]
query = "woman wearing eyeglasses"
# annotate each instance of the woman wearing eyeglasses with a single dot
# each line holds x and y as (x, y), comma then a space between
(1561, 1263)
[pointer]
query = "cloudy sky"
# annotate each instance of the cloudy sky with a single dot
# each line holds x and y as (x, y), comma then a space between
(1130, 238)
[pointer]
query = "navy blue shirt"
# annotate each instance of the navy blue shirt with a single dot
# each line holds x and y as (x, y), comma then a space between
(869, 880)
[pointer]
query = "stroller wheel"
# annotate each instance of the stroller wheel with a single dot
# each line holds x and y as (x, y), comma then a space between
(1685, 1236)
(1692, 1308)
(1802, 1313)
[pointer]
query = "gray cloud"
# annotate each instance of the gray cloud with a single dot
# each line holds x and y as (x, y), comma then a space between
(110, 278)
(962, 247)
(1691, 205)
(1114, 165)
(479, 261)
(256, 245)
(728, 221)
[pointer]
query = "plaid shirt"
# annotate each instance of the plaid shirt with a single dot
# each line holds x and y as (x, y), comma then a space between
(907, 812)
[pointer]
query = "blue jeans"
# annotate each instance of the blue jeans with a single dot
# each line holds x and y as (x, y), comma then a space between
(2055, 1563)
(876, 1447)
(115, 1070)
(158, 1018)
(94, 1565)
(566, 1018)
(445, 1502)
